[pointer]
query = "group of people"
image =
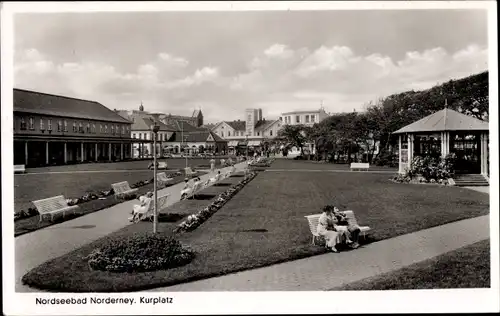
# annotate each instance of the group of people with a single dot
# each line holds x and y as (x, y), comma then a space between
(336, 229)
(189, 185)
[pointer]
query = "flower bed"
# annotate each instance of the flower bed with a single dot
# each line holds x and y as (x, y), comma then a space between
(90, 196)
(428, 170)
(195, 220)
(139, 253)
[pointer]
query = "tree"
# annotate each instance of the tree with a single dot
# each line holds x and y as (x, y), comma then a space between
(295, 135)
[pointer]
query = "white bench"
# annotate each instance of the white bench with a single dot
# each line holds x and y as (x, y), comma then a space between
(19, 169)
(149, 213)
(189, 172)
(53, 205)
(190, 192)
(313, 221)
(122, 189)
(162, 178)
(360, 165)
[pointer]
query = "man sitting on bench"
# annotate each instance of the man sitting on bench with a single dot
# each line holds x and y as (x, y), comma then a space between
(351, 231)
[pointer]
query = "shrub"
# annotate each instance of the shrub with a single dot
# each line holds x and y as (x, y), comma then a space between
(386, 159)
(139, 253)
(431, 168)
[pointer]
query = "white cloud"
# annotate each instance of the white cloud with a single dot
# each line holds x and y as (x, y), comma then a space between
(278, 79)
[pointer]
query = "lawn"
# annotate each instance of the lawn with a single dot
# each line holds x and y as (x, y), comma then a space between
(264, 224)
(467, 267)
(73, 182)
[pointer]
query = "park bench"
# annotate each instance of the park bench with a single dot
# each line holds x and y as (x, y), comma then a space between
(122, 189)
(19, 169)
(313, 221)
(162, 178)
(53, 205)
(160, 165)
(360, 165)
(189, 172)
(149, 213)
(191, 192)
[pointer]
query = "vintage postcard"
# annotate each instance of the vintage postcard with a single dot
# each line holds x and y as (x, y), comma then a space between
(249, 157)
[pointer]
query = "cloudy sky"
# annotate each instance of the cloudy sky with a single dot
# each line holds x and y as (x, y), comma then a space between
(223, 63)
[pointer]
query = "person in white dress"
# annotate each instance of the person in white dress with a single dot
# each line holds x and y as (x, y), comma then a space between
(328, 228)
(143, 207)
(212, 165)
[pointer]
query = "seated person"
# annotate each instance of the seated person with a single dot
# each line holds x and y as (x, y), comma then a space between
(141, 208)
(222, 162)
(352, 231)
(188, 186)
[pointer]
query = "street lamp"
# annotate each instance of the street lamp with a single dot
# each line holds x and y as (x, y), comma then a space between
(246, 140)
(185, 156)
(155, 129)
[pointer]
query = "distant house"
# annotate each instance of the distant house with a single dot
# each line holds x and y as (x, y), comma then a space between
(196, 141)
(54, 130)
(250, 133)
(142, 132)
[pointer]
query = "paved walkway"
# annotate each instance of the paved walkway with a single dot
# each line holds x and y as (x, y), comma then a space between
(484, 189)
(328, 271)
(329, 170)
(37, 247)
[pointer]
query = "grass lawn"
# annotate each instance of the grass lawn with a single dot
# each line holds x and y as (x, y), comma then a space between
(467, 267)
(264, 224)
(40, 184)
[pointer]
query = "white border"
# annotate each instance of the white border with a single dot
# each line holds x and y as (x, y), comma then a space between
(466, 300)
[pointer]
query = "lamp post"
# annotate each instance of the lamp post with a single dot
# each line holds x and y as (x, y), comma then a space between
(185, 156)
(155, 129)
(246, 140)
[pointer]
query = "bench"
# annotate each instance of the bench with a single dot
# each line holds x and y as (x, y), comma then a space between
(360, 166)
(162, 178)
(161, 165)
(189, 172)
(149, 214)
(53, 205)
(122, 189)
(313, 221)
(19, 169)
(190, 192)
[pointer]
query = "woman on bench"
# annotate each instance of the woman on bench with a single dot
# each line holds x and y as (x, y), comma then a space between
(143, 207)
(329, 228)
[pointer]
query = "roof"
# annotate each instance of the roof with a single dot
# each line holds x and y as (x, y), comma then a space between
(263, 125)
(57, 105)
(186, 127)
(144, 123)
(445, 120)
(303, 111)
(237, 125)
(195, 137)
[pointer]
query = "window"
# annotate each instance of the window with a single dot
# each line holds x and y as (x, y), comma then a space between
(100, 128)
(140, 135)
(23, 123)
(32, 123)
(228, 133)
(80, 127)
(258, 133)
(42, 126)
(65, 125)
(222, 127)
(105, 129)
(74, 127)
(222, 134)
(123, 129)
(117, 129)
(88, 127)
(271, 133)
(249, 117)
(133, 135)
(307, 118)
(312, 118)
(281, 118)
(59, 126)
(297, 119)
(93, 128)
(49, 124)
(112, 129)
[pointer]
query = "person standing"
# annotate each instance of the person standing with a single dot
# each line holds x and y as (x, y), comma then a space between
(212, 165)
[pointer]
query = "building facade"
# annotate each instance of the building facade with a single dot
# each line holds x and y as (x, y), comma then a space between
(307, 118)
(142, 132)
(55, 130)
(251, 133)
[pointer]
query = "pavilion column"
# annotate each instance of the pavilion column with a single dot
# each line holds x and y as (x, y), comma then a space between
(400, 155)
(484, 154)
(109, 151)
(132, 151)
(46, 153)
(410, 149)
(65, 152)
(121, 152)
(445, 144)
(81, 152)
(96, 153)
(26, 153)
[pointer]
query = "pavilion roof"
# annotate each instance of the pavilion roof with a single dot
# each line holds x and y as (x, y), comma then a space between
(445, 120)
